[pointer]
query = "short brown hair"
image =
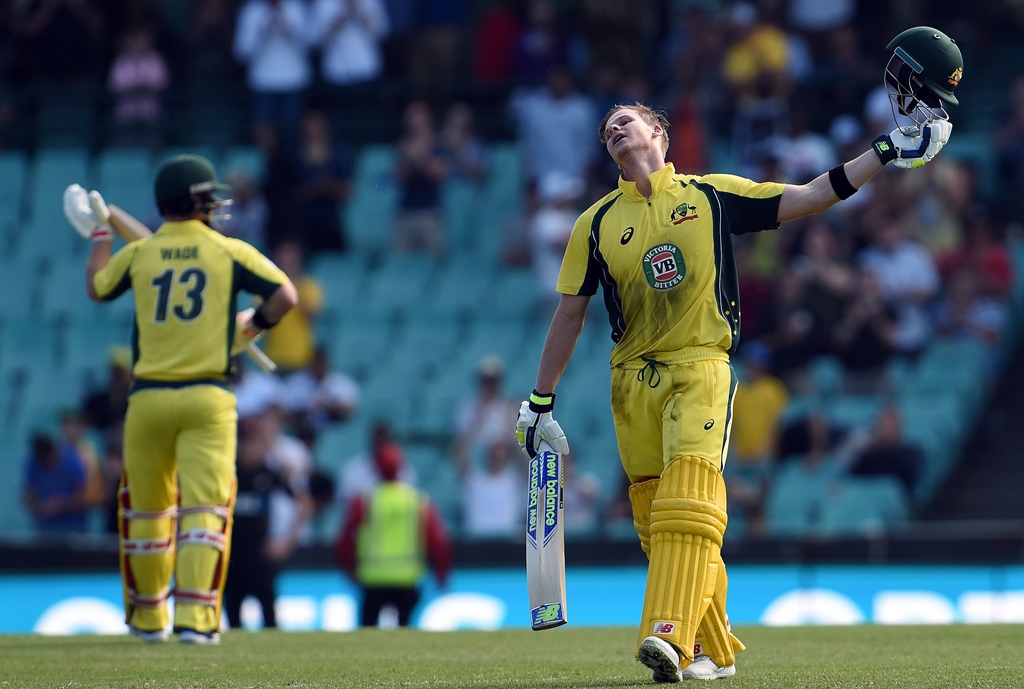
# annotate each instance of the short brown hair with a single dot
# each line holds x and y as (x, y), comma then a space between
(647, 114)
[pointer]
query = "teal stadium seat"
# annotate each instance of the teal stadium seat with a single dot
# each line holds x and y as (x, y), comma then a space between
(343, 279)
(398, 287)
(28, 344)
(369, 213)
(124, 177)
(13, 170)
(247, 159)
(863, 506)
(48, 232)
(20, 281)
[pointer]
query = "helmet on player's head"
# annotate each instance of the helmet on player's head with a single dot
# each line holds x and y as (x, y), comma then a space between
(187, 183)
(924, 68)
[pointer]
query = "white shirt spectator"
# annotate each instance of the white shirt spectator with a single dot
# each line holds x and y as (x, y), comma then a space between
(358, 476)
(256, 392)
(272, 39)
(304, 394)
(493, 503)
(815, 15)
(908, 278)
(551, 226)
(349, 34)
(556, 133)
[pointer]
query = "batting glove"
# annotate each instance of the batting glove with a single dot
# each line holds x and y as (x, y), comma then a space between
(87, 213)
(910, 147)
(246, 332)
(535, 423)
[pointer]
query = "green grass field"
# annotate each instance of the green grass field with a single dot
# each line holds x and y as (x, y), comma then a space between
(865, 656)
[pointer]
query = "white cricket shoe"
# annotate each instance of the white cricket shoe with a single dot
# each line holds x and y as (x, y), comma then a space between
(153, 637)
(191, 636)
(661, 658)
(703, 667)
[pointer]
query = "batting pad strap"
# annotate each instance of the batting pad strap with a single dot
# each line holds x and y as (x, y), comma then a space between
(684, 515)
(640, 496)
(150, 514)
(219, 510)
(148, 600)
(214, 539)
(195, 596)
(147, 546)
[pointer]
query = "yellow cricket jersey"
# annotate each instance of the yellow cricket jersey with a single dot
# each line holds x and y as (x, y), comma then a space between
(185, 280)
(666, 263)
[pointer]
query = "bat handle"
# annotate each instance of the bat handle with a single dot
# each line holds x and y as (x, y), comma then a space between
(260, 358)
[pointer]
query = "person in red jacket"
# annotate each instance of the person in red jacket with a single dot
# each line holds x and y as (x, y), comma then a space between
(389, 539)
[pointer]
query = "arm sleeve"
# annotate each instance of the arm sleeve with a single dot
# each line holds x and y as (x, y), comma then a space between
(115, 278)
(580, 267)
(257, 273)
(439, 547)
(748, 206)
(345, 548)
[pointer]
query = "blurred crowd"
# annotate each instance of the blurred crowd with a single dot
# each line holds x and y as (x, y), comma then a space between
(779, 90)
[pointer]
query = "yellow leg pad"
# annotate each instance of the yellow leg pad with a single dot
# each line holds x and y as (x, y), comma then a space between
(687, 525)
(641, 495)
(713, 635)
(202, 567)
(147, 562)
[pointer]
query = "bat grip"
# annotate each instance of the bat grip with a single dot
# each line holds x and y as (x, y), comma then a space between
(260, 358)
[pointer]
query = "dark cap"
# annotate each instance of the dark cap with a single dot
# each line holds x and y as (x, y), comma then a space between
(182, 176)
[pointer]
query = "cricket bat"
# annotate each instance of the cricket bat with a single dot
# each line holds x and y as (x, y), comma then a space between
(130, 229)
(545, 541)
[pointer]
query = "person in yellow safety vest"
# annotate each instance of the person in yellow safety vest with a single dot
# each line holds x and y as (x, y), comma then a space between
(389, 537)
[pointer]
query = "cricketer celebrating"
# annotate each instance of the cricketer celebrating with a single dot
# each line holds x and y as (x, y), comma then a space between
(180, 428)
(660, 247)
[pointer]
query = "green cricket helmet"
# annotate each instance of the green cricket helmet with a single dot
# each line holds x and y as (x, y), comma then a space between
(188, 183)
(924, 68)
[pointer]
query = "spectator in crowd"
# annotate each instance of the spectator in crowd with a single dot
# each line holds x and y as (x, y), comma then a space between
(549, 227)
(983, 253)
(461, 146)
(255, 391)
(279, 182)
(581, 497)
(758, 405)
(497, 35)
(209, 42)
(292, 343)
(137, 78)
(865, 336)
(112, 468)
(483, 418)
(324, 183)
(887, 453)
(358, 474)
(844, 76)
(61, 39)
(349, 34)
(613, 30)
(256, 557)
(290, 457)
(421, 170)
(556, 125)
(271, 39)
(319, 396)
(249, 211)
(965, 312)
(54, 488)
(436, 47)
(389, 538)
(542, 46)
(909, 280)
(492, 493)
(75, 442)
(824, 268)
(1008, 140)
(791, 331)
(105, 408)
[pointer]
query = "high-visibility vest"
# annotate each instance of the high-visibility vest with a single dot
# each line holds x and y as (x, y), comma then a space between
(390, 546)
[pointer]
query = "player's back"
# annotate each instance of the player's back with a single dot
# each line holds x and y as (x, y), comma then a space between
(185, 280)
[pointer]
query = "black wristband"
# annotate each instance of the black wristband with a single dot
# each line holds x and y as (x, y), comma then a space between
(259, 319)
(542, 403)
(884, 149)
(840, 182)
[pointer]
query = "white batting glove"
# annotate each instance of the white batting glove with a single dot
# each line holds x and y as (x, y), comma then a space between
(87, 213)
(910, 147)
(246, 332)
(535, 423)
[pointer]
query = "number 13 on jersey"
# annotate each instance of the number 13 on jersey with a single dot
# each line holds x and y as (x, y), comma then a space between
(545, 541)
